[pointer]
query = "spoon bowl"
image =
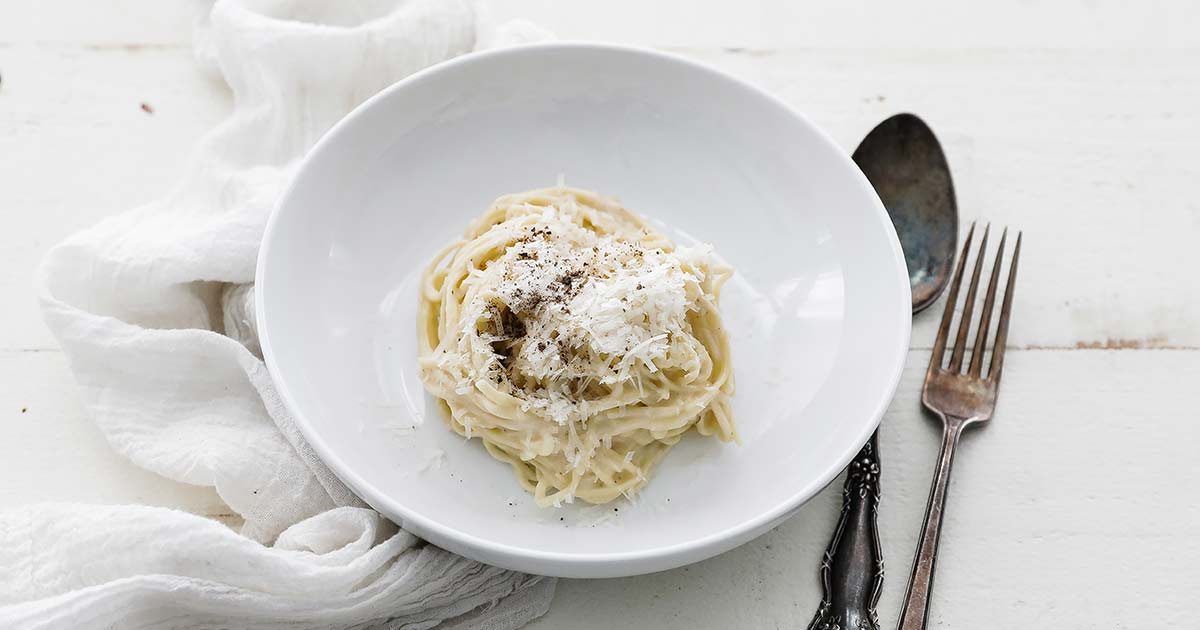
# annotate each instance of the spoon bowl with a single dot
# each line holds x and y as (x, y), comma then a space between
(904, 162)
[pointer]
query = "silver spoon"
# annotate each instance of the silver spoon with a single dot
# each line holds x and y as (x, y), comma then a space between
(904, 162)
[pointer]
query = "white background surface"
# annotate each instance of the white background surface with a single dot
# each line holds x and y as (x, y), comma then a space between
(1077, 121)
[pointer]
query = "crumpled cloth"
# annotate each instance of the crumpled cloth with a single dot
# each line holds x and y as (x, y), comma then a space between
(154, 309)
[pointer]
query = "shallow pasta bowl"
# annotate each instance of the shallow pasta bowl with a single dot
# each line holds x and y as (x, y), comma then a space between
(818, 312)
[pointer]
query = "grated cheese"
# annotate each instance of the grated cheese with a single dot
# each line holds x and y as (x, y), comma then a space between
(575, 309)
(576, 341)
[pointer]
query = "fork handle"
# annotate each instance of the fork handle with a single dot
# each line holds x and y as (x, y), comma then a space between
(915, 614)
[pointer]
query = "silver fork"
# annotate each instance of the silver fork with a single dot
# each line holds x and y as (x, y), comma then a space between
(960, 400)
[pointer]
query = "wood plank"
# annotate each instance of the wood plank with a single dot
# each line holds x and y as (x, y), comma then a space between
(50, 450)
(748, 23)
(76, 146)
(99, 24)
(1061, 512)
(1040, 140)
(1092, 154)
(1079, 469)
(938, 24)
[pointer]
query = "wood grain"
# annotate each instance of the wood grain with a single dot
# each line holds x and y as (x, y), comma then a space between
(1091, 153)
(1060, 511)
(755, 24)
(1075, 121)
(50, 450)
(77, 147)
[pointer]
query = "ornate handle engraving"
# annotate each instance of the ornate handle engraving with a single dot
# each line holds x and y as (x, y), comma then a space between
(852, 568)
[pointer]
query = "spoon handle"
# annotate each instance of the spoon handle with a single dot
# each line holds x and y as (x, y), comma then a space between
(852, 568)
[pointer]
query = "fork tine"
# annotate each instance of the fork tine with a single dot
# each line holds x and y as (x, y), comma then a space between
(939, 344)
(985, 316)
(964, 326)
(1002, 327)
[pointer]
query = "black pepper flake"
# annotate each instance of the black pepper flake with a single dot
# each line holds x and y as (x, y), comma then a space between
(530, 303)
(146, 108)
(24, 409)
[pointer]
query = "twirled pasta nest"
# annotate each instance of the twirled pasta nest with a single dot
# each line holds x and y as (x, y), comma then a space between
(577, 342)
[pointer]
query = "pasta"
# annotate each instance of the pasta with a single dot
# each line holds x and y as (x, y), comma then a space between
(577, 342)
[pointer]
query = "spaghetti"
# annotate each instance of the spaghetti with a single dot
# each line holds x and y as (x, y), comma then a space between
(577, 342)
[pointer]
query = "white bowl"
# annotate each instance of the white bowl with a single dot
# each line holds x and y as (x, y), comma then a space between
(818, 311)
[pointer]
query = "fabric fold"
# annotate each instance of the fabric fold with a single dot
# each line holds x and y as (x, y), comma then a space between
(154, 310)
(157, 568)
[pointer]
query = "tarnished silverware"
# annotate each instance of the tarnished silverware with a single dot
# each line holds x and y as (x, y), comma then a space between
(904, 162)
(961, 399)
(852, 566)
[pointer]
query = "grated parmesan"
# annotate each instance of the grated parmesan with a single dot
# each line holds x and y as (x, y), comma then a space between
(573, 310)
(576, 341)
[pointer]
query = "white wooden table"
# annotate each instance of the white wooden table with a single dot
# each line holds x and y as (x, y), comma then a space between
(1077, 122)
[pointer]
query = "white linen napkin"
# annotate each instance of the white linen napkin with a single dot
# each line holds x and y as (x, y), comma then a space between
(154, 309)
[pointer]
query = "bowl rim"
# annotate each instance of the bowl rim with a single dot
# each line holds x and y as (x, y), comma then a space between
(657, 558)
